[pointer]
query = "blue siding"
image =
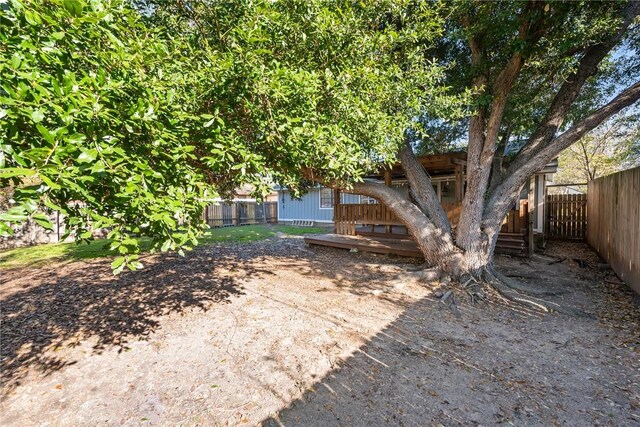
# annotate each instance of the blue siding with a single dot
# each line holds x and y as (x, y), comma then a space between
(307, 207)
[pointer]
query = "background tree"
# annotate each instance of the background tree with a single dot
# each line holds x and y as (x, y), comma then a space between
(611, 147)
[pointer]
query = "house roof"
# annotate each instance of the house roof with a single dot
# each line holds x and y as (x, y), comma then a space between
(439, 165)
(445, 164)
(435, 164)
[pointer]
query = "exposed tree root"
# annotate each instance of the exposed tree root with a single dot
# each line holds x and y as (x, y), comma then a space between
(511, 290)
(515, 295)
(473, 288)
(449, 300)
(523, 287)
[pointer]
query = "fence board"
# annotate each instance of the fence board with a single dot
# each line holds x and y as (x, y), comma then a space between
(240, 213)
(566, 216)
(614, 223)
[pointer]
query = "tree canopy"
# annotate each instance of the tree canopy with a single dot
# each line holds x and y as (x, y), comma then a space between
(558, 35)
(132, 115)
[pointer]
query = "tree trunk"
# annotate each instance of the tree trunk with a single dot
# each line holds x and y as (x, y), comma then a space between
(437, 244)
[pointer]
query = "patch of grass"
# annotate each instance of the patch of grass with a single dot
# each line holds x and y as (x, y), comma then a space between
(299, 231)
(243, 233)
(33, 256)
(251, 233)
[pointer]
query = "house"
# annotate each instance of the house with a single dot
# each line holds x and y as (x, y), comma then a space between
(353, 214)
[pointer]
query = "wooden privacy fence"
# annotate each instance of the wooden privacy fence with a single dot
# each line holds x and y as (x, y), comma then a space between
(566, 216)
(240, 213)
(613, 228)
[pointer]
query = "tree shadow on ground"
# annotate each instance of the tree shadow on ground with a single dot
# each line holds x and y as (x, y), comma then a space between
(66, 304)
(494, 365)
(48, 309)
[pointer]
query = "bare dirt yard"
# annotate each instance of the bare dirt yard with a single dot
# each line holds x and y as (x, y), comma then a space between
(275, 333)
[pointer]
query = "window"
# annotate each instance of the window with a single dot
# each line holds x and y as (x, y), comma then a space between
(326, 198)
(366, 200)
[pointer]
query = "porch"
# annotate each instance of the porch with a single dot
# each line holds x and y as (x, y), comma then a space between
(371, 226)
(375, 244)
(374, 228)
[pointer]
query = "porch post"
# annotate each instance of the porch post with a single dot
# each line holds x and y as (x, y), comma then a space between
(459, 194)
(531, 213)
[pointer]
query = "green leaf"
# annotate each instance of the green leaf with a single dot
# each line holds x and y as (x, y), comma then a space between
(166, 245)
(52, 185)
(11, 172)
(13, 217)
(15, 60)
(118, 262)
(117, 270)
(37, 115)
(76, 138)
(135, 265)
(43, 221)
(48, 203)
(88, 156)
(74, 7)
(32, 17)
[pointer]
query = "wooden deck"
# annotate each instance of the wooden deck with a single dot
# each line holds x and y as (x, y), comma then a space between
(378, 245)
(510, 244)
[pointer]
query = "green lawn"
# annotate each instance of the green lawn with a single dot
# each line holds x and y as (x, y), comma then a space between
(41, 254)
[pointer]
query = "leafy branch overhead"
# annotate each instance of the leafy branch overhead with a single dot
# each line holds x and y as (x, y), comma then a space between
(133, 119)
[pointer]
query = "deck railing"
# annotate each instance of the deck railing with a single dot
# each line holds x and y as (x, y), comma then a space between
(517, 221)
(349, 216)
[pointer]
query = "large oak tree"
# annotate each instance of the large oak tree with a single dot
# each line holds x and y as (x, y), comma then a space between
(544, 75)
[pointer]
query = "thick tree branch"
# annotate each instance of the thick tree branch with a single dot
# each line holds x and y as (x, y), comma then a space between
(626, 98)
(483, 134)
(497, 169)
(422, 190)
(529, 34)
(503, 196)
(570, 90)
(435, 243)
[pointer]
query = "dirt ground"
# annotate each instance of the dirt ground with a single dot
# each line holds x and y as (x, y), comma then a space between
(275, 333)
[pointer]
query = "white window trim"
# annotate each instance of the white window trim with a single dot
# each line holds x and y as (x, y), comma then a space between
(360, 197)
(320, 199)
